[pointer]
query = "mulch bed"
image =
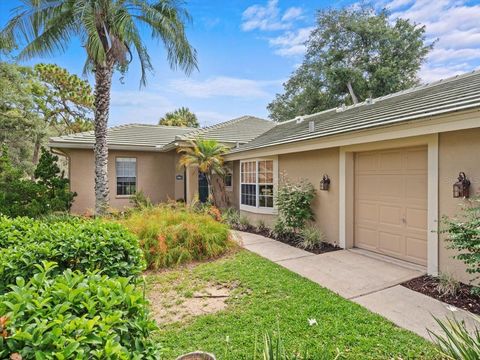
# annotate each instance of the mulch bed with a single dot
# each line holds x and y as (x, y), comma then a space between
(324, 247)
(464, 299)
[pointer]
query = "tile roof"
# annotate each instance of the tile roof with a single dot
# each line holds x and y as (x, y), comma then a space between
(158, 137)
(132, 136)
(454, 94)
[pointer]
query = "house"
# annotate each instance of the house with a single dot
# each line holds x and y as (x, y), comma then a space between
(391, 162)
(144, 157)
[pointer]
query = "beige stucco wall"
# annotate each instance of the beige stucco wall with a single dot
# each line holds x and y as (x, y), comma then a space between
(155, 177)
(309, 165)
(458, 151)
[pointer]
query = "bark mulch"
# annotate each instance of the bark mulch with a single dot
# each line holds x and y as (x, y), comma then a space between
(464, 299)
(322, 248)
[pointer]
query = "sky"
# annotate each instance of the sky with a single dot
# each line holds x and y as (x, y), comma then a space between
(248, 48)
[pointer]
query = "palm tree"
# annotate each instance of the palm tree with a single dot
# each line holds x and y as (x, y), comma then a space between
(180, 117)
(207, 155)
(110, 33)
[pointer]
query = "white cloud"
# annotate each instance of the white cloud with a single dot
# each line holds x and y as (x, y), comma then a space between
(456, 25)
(291, 42)
(223, 86)
(268, 17)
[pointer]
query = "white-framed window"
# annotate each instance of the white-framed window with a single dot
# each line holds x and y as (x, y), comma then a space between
(228, 181)
(126, 174)
(257, 184)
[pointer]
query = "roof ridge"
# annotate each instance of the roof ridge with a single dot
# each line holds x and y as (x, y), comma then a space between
(222, 124)
(371, 101)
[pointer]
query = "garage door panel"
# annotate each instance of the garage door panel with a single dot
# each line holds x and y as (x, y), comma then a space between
(390, 243)
(391, 203)
(390, 215)
(416, 219)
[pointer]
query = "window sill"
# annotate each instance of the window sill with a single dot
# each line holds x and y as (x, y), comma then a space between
(229, 188)
(259, 210)
(123, 196)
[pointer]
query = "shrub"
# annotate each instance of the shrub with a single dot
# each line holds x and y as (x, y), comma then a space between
(75, 244)
(447, 285)
(294, 204)
(75, 315)
(463, 234)
(172, 235)
(310, 238)
(231, 216)
(458, 341)
(24, 197)
(139, 200)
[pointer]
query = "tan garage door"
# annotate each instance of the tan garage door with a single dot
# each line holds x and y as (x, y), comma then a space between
(391, 203)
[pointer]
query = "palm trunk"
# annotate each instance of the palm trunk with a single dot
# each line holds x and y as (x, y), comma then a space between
(103, 84)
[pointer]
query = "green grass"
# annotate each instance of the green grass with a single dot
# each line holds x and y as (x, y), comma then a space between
(273, 299)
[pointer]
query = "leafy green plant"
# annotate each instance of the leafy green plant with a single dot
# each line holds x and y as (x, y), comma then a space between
(310, 237)
(76, 244)
(447, 285)
(140, 201)
(231, 216)
(458, 341)
(172, 235)
(294, 204)
(463, 234)
(48, 193)
(75, 316)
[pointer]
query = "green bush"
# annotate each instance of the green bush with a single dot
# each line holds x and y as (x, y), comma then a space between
(294, 205)
(457, 340)
(174, 234)
(48, 193)
(75, 316)
(75, 244)
(463, 234)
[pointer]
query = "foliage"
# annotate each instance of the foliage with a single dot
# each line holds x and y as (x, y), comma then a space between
(447, 285)
(207, 155)
(110, 32)
(18, 118)
(294, 205)
(268, 297)
(273, 349)
(458, 341)
(352, 54)
(76, 315)
(140, 201)
(181, 117)
(76, 244)
(48, 193)
(173, 235)
(463, 235)
(310, 238)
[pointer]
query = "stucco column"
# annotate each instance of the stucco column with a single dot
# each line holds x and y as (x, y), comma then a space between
(192, 183)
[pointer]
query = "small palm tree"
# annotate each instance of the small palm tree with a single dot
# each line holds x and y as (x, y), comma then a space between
(207, 155)
(109, 31)
(180, 117)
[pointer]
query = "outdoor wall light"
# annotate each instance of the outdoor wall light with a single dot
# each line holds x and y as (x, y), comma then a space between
(461, 189)
(325, 183)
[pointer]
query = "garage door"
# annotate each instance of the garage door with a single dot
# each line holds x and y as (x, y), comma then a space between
(391, 203)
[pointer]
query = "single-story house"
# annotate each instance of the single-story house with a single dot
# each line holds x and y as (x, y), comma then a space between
(391, 162)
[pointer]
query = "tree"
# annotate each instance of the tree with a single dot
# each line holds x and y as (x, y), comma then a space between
(352, 54)
(181, 117)
(207, 155)
(110, 33)
(64, 102)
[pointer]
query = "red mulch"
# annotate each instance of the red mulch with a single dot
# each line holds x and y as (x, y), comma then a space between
(464, 299)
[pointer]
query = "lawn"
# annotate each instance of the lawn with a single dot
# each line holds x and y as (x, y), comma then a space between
(264, 298)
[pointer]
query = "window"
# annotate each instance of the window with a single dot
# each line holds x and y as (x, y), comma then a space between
(256, 188)
(126, 171)
(228, 180)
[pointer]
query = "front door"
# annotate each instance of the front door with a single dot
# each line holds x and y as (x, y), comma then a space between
(202, 187)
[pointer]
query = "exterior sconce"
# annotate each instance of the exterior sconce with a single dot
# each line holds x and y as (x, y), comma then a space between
(325, 183)
(461, 189)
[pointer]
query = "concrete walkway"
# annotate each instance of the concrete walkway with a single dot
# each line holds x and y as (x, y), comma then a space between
(369, 280)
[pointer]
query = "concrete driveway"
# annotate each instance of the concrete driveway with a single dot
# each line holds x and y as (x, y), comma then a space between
(367, 279)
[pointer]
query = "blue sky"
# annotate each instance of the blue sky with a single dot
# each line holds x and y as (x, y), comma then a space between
(246, 50)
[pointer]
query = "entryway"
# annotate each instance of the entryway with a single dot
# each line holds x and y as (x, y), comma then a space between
(391, 204)
(202, 187)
